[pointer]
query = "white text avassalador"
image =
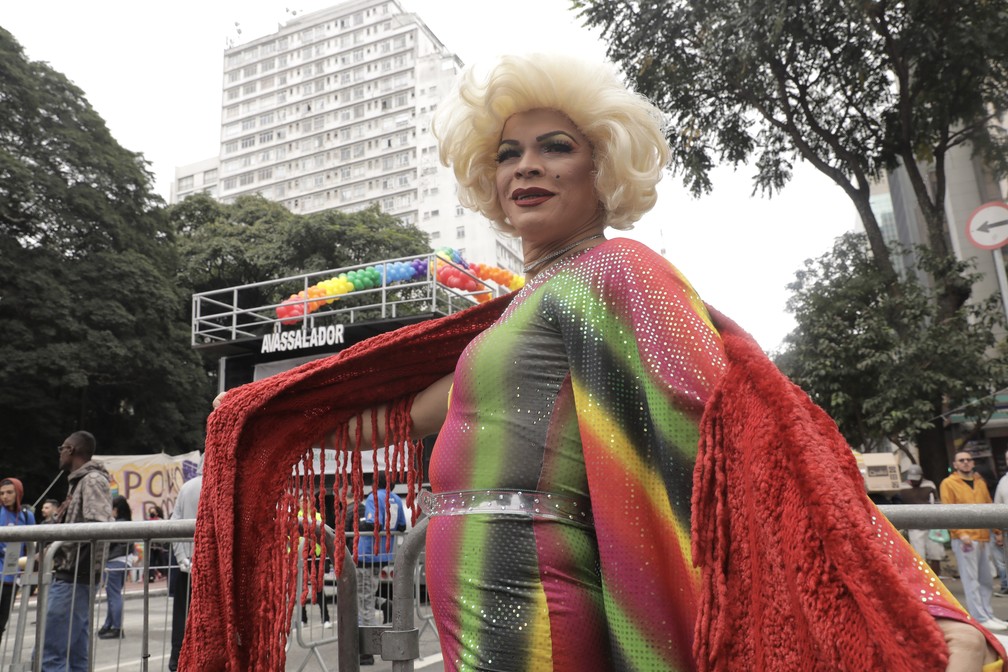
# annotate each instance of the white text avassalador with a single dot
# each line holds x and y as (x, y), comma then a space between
(301, 340)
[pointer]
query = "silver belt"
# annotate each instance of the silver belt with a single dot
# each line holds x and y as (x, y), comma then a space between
(527, 503)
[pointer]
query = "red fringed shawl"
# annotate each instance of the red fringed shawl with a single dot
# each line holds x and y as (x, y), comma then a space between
(243, 572)
(794, 574)
(799, 569)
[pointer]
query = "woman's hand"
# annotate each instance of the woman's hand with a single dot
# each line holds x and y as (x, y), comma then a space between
(219, 399)
(968, 648)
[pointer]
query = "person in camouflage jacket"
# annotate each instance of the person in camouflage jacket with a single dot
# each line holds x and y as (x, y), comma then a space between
(76, 569)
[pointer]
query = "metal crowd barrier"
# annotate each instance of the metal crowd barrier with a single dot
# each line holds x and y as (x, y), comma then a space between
(392, 642)
(398, 642)
(37, 576)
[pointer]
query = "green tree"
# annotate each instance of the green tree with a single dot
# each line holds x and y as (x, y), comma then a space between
(95, 329)
(849, 354)
(852, 87)
(253, 239)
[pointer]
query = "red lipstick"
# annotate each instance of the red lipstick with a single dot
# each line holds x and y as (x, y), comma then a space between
(531, 196)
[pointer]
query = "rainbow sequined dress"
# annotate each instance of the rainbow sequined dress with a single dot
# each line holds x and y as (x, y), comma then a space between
(582, 400)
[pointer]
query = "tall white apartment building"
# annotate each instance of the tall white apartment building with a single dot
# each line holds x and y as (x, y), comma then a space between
(333, 110)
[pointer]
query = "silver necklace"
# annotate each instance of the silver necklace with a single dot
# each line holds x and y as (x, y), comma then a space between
(559, 253)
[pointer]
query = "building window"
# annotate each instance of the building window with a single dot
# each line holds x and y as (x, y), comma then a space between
(434, 235)
(246, 179)
(265, 174)
(460, 232)
(231, 147)
(266, 119)
(230, 183)
(210, 176)
(266, 136)
(248, 141)
(249, 89)
(185, 183)
(459, 211)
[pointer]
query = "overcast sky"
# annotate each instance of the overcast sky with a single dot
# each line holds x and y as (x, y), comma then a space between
(153, 71)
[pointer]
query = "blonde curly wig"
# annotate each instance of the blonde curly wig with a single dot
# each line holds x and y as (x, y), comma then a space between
(625, 130)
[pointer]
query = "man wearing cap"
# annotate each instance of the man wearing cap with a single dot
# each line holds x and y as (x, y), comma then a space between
(972, 547)
(919, 490)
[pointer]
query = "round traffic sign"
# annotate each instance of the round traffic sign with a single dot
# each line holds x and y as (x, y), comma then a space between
(987, 227)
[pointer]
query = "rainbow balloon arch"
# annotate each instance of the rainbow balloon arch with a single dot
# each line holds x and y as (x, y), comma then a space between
(447, 267)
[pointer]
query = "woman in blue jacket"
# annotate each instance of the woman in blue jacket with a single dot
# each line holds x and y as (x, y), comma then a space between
(11, 513)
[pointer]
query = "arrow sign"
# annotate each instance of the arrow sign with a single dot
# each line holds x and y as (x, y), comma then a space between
(987, 227)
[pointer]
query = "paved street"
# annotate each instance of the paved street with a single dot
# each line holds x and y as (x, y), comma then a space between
(312, 648)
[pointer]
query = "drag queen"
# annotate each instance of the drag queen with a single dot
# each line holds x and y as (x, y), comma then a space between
(621, 479)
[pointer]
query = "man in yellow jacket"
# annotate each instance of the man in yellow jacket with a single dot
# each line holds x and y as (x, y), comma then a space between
(972, 547)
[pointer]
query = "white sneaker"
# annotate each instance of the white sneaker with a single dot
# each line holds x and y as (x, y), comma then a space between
(328, 624)
(993, 625)
(997, 620)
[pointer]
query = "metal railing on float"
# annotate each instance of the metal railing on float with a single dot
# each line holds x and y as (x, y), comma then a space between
(388, 289)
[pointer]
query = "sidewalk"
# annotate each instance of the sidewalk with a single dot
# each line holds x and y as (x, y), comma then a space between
(950, 577)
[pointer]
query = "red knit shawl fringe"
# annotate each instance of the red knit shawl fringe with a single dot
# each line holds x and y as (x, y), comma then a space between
(795, 572)
(244, 571)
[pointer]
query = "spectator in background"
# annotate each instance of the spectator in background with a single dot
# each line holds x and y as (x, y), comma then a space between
(77, 571)
(372, 553)
(185, 508)
(1000, 556)
(319, 591)
(11, 513)
(48, 511)
(921, 491)
(158, 552)
(115, 574)
(971, 547)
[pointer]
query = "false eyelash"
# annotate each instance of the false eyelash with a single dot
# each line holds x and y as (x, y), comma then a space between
(558, 145)
(507, 153)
